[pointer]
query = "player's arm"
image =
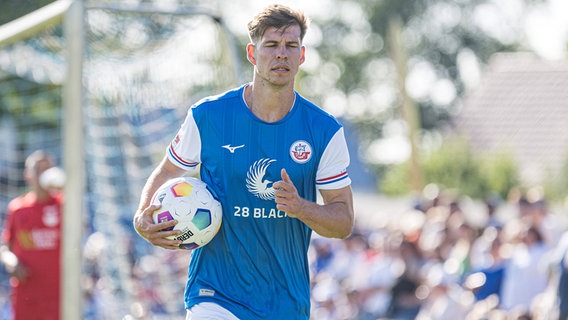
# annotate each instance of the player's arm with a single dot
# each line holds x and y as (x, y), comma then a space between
(12, 263)
(334, 218)
(8, 258)
(143, 222)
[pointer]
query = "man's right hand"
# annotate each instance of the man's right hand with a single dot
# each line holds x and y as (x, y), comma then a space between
(156, 233)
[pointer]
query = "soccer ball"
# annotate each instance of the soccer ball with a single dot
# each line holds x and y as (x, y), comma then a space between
(52, 178)
(194, 205)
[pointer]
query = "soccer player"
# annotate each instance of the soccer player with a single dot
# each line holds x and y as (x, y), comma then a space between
(266, 151)
(32, 244)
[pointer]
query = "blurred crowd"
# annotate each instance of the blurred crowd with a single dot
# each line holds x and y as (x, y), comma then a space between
(500, 260)
(442, 258)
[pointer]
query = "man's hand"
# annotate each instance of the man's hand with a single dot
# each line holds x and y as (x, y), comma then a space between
(333, 219)
(287, 197)
(12, 263)
(156, 233)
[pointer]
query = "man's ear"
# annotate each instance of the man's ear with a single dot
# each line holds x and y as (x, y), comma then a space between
(303, 57)
(250, 53)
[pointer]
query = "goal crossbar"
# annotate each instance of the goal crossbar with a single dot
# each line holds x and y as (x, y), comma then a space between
(31, 23)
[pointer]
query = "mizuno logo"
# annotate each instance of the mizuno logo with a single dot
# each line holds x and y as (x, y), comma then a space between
(232, 149)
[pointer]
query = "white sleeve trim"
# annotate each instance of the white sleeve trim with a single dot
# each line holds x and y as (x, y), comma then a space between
(332, 169)
(185, 149)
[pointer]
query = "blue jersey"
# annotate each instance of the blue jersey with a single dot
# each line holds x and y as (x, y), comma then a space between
(257, 266)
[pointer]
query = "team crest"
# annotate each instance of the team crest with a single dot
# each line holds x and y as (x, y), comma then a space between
(301, 151)
(50, 216)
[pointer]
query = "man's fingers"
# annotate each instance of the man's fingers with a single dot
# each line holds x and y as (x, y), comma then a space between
(159, 234)
(164, 242)
(166, 225)
(283, 185)
(150, 210)
(285, 176)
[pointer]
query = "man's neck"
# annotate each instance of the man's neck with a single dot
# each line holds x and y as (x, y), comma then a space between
(269, 103)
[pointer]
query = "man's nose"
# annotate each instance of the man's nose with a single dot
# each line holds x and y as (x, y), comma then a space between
(282, 52)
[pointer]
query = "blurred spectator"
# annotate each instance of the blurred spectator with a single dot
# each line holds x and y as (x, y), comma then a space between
(405, 304)
(446, 299)
(539, 217)
(32, 241)
(488, 265)
(562, 278)
(525, 273)
(374, 278)
(491, 205)
(324, 254)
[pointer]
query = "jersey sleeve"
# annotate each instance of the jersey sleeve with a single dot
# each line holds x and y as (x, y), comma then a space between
(185, 149)
(332, 169)
(6, 235)
(8, 232)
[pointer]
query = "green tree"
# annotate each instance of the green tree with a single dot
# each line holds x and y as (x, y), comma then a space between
(357, 79)
(454, 166)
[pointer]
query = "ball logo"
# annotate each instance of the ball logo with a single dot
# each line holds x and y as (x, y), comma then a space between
(301, 151)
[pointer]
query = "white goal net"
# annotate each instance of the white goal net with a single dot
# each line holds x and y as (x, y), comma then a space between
(143, 67)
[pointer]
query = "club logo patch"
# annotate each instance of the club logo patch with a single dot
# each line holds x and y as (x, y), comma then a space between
(50, 216)
(301, 151)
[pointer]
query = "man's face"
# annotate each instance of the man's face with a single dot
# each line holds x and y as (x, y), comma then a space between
(34, 172)
(42, 165)
(278, 55)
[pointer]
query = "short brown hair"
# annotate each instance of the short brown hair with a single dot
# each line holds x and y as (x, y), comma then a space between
(277, 16)
(34, 158)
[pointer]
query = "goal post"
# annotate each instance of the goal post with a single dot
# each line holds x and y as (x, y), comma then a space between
(71, 13)
(71, 303)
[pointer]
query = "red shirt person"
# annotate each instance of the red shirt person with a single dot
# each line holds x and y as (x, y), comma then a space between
(32, 242)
